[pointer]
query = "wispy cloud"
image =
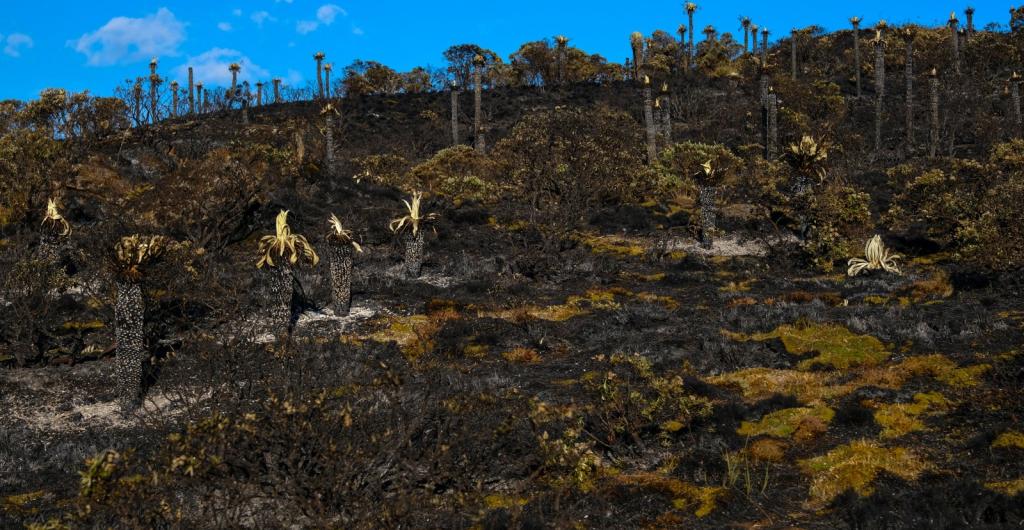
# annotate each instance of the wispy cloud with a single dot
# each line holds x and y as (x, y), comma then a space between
(211, 67)
(356, 30)
(236, 12)
(16, 42)
(125, 40)
(224, 26)
(260, 17)
(328, 12)
(325, 15)
(306, 26)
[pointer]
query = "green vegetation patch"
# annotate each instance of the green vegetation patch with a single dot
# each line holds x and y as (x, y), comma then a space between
(835, 345)
(801, 423)
(855, 466)
(1009, 439)
(903, 418)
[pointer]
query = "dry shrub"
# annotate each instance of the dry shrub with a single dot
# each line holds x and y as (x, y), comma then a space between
(384, 170)
(565, 162)
(459, 172)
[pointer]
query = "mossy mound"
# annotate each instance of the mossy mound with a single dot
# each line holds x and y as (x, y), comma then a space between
(904, 418)
(800, 423)
(855, 466)
(835, 345)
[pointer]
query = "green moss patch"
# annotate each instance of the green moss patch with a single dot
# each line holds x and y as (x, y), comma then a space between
(800, 423)
(904, 418)
(855, 466)
(835, 345)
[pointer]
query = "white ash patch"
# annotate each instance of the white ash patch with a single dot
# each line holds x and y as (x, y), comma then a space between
(728, 246)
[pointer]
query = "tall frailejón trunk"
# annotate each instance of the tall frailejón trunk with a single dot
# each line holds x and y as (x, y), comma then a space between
(773, 126)
(746, 40)
(652, 148)
(259, 94)
(856, 55)
(455, 113)
(792, 52)
(954, 41)
(764, 46)
(478, 124)
(328, 142)
(413, 253)
(191, 93)
(707, 198)
(691, 52)
(137, 101)
(154, 80)
(278, 299)
(909, 80)
(277, 90)
(666, 115)
(340, 255)
(1015, 101)
(879, 91)
(174, 99)
(933, 130)
(327, 82)
(765, 89)
(131, 349)
(320, 75)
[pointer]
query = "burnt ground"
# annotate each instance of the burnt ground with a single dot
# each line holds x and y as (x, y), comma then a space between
(812, 401)
(622, 378)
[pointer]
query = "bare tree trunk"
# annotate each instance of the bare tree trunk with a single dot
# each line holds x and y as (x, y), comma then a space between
(933, 144)
(909, 78)
(652, 149)
(879, 92)
(259, 94)
(478, 129)
(277, 90)
(191, 93)
(137, 95)
(174, 101)
(455, 115)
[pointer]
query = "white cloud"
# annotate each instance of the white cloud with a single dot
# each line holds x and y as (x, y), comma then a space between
(224, 26)
(306, 26)
(211, 67)
(325, 14)
(285, 1)
(237, 12)
(125, 40)
(328, 12)
(260, 17)
(356, 30)
(16, 42)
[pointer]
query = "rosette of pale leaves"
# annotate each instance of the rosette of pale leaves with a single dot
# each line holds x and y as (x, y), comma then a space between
(134, 252)
(341, 234)
(876, 257)
(54, 220)
(808, 157)
(285, 242)
(413, 218)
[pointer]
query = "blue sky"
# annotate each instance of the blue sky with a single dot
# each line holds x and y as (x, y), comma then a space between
(98, 44)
